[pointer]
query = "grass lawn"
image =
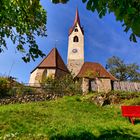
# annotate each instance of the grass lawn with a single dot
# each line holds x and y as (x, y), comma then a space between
(68, 118)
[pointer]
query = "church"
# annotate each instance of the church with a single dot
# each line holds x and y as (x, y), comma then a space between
(94, 76)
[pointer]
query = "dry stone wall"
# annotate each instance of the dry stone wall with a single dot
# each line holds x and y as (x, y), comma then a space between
(127, 86)
(28, 98)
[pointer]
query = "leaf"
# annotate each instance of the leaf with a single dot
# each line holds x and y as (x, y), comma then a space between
(131, 10)
(133, 38)
(20, 48)
(84, 1)
(89, 4)
(59, 1)
(126, 29)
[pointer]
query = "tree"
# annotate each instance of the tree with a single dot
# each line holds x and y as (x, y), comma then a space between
(21, 21)
(123, 71)
(126, 11)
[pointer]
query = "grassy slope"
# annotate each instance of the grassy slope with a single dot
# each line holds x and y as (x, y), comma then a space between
(65, 118)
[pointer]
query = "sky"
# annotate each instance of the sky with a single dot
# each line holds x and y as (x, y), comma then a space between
(104, 38)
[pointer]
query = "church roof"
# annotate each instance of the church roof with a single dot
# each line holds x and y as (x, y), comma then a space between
(93, 70)
(53, 60)
(76, 20)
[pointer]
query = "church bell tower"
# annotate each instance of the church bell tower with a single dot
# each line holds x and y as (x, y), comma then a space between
(76, 46)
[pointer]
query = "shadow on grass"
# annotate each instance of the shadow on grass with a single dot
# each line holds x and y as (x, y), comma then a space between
(76, 136)
(137, 121)
(105, 135)
(115, 135)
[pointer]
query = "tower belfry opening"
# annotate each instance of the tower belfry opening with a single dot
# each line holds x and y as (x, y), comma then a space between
(76, 39)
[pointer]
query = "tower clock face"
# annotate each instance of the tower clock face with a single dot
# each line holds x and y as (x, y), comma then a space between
(74, 50)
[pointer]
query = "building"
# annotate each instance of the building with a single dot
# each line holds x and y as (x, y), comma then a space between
(52, 65)
(94, 76)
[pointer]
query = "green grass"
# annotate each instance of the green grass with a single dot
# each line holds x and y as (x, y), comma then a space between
(69, 118)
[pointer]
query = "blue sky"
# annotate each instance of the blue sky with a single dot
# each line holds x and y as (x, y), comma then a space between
(103, 39)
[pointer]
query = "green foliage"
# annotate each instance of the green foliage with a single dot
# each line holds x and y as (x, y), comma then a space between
(134, 101)
(21, 90)
(65, 118)
(91, 74)
(9, 87)
(60, 1)
(125, 95)
(4, 86)
(123, 71)
(21, 21)
(126, 11)
(62, 85)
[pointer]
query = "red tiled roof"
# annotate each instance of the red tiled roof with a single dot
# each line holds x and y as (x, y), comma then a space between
(93, 70)
(77, 20)
(53, 60)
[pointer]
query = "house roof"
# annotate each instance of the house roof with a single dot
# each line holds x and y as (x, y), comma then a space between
(93, 70)
(76, 20)
(53, 60)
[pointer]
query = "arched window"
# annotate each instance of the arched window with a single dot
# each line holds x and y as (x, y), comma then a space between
(76, 39)
(76, 30)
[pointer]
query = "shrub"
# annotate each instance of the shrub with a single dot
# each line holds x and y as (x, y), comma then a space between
(4, 86)
(21, 90)
(10, 87)
(62, 85)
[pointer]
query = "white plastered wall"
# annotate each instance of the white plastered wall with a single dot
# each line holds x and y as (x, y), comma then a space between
(38, 75)
(76, 45)
(76, 60)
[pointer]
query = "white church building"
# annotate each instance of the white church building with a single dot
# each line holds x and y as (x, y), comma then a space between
(94, 76)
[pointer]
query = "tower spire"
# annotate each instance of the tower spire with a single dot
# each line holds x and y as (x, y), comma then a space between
(76, 46)
(77, 18)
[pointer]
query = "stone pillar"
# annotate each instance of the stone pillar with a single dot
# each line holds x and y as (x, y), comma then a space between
(85, 85)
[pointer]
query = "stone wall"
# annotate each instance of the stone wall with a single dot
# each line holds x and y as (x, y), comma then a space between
(103, 85)
(98, 84)
(74, 66)
(28, 98)
(127, 86)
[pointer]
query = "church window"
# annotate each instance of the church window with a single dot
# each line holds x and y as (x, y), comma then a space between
(76, 30)
(76, 39)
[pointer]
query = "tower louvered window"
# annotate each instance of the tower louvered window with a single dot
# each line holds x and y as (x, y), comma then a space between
(76, 30)
(76, 39)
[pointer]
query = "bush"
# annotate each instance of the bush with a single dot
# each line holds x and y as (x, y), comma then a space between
(10, 87)
(21, 90)
(134, 101)
(4, 86)
(63, 85)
